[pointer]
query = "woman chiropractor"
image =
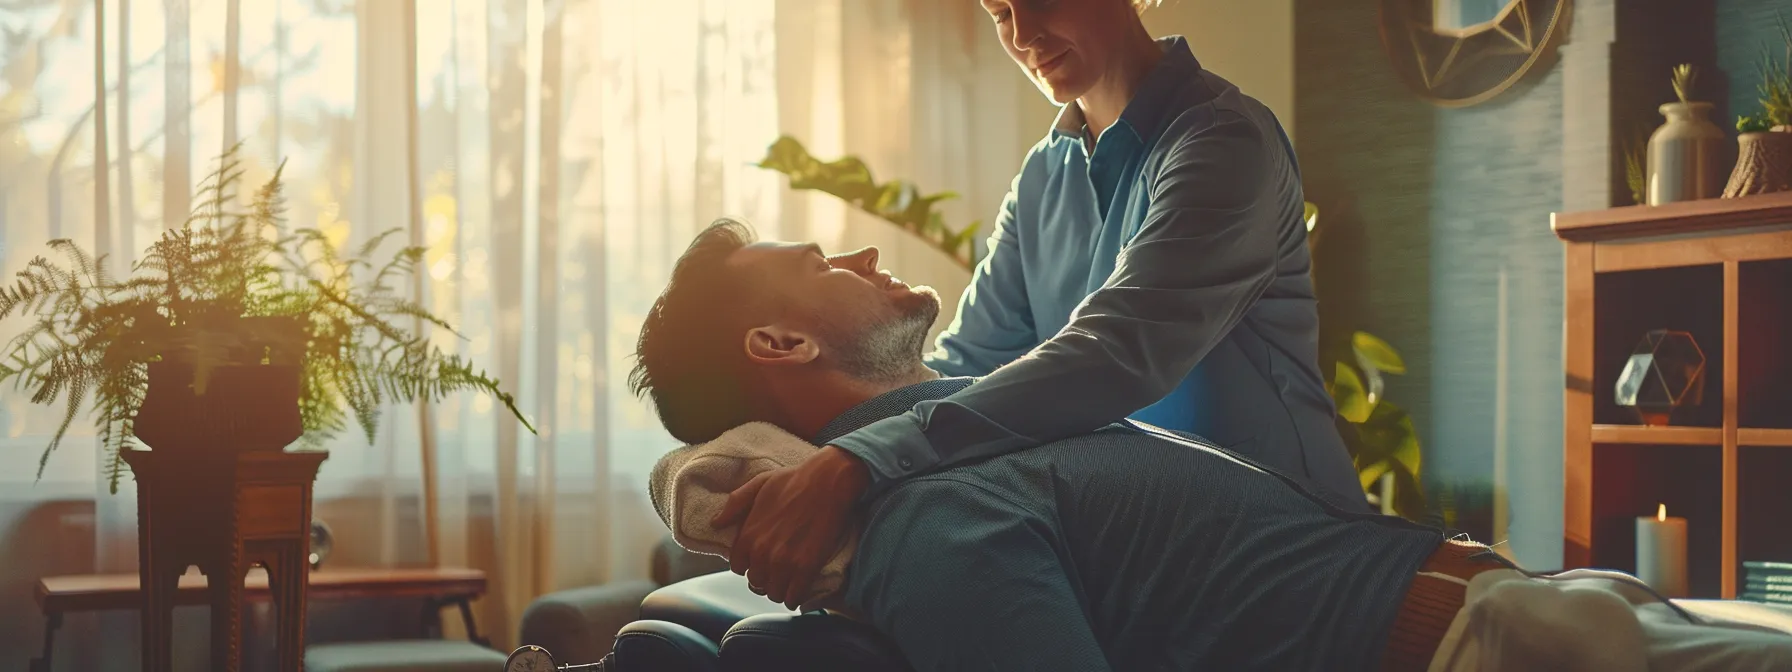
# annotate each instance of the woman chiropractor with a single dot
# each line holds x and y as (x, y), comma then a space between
(1150, 262)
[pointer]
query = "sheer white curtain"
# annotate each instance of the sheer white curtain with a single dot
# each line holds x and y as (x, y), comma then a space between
(555, 157)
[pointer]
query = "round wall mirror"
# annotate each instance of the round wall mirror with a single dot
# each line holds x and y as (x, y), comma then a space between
(1456, 53)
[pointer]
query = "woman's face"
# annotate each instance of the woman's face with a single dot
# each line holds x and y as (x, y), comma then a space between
(1063, 45)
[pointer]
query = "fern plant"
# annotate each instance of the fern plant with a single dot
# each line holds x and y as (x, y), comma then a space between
(193, 298)
(897, 202)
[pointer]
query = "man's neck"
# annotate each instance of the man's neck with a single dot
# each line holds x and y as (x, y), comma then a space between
(1103, 104)
(812, 412)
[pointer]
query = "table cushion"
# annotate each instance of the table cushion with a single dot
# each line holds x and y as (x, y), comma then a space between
(1739, 612)
(708, 604)
(417, 655)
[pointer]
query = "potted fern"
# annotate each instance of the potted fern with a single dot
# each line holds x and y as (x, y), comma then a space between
(232, 333)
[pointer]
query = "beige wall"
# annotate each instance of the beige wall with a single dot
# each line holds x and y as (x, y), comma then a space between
(1249, 42)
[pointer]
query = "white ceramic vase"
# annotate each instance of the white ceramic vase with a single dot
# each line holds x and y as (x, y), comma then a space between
(1683, 155)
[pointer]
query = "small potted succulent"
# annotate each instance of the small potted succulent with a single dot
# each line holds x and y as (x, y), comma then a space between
(232, 333)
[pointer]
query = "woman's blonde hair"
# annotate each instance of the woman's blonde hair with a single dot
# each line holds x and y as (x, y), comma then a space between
(1143, 5)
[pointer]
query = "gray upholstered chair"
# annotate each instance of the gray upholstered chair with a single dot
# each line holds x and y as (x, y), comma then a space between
(579, 625)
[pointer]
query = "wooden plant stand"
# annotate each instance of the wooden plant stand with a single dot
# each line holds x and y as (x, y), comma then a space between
(224, 514)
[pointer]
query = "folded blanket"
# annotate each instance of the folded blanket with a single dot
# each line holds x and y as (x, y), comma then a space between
(690, 485)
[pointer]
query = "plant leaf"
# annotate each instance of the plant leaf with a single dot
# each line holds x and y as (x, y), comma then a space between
(1373, 351)
(1347, 392)
(1406, 446)
(787, 155)
(1372, 473)
(1409, 495)
(849, 179)
(1389, 431)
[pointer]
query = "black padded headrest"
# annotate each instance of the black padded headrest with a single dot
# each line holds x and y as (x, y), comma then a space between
(811, 641)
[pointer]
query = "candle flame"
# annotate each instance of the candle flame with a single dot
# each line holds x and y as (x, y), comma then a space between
(1661, 513)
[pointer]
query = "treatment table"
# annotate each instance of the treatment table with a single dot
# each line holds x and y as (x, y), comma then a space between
(713, 623)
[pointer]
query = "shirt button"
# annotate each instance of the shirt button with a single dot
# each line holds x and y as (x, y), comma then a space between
(905, 463)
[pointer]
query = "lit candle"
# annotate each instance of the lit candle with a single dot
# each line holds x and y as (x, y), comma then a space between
(1661, 552)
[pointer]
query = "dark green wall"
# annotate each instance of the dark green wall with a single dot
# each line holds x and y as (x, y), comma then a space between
(1745, 28)
(1437, 225)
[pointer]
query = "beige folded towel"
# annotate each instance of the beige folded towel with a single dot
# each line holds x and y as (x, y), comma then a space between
(690, 485)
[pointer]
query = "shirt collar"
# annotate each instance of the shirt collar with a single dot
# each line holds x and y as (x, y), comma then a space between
(889, 405)
(1145, 113)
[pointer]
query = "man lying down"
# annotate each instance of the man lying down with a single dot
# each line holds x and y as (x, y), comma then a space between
(1129, 548)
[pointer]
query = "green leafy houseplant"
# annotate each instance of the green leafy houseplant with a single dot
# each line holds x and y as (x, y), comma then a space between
(898, 202)
(1379, 434)
(232, 288)
(1775, 89)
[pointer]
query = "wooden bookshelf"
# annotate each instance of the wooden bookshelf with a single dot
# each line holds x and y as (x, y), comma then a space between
(1720, 269)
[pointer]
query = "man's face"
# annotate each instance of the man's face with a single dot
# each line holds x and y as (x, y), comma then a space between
(865, 320)
(1063, 45)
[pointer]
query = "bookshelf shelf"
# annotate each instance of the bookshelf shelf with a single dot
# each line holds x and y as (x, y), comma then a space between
(1720, 269)
(1658, 436)
(1780, 438)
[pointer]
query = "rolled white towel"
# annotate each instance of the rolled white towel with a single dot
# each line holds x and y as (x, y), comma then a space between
(690, 485)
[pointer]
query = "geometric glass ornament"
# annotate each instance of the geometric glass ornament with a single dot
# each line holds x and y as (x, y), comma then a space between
(1666, 372)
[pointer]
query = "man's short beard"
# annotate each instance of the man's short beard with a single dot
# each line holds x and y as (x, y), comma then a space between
(890, 351)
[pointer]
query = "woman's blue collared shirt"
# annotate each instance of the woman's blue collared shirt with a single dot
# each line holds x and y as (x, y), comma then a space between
(1166, 270)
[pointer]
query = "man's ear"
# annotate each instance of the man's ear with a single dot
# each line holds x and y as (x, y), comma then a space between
(780, 346)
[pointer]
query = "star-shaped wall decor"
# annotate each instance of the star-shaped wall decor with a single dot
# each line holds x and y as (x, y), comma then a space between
(1470, 64)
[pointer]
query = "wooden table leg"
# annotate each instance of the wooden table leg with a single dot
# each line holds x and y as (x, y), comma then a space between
(224, 583)
(158, 620)
(466, 616)
(52, 622)
(288, 573)
(160, 575)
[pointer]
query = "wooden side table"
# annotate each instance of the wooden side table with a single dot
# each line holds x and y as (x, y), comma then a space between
(225, 515)
(440, 587)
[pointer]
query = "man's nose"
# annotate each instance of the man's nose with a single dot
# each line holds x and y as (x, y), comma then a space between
(862, 261)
